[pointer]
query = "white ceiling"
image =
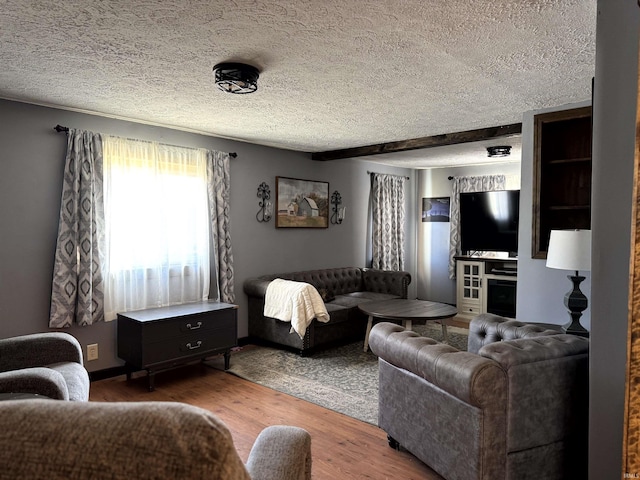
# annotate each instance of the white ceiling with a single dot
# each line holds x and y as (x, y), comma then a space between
(334, 74)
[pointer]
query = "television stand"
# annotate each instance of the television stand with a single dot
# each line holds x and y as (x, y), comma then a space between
(486, 285)
(504, 271)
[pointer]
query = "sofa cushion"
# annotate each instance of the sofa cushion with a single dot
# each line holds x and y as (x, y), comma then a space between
(76, 378)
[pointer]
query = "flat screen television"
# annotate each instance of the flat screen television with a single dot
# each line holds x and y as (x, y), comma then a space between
(489, 221)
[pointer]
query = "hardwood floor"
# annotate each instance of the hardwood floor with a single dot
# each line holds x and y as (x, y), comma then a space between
(458, 322)
(342, 447)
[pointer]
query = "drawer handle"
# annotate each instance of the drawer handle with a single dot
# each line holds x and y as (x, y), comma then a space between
(193, 347)
(197, 326)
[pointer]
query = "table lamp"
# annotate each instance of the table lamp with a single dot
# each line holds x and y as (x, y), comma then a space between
(571, 250)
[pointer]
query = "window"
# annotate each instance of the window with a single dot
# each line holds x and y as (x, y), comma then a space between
(156, 225)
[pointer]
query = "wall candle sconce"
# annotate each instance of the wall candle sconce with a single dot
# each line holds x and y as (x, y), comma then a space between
(264, 194)
(338, 212)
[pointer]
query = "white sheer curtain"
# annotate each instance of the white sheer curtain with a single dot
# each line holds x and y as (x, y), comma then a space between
(485, 183)
(157, 225)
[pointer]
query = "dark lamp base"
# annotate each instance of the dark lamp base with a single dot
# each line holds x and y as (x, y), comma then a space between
(576, 303)
(574, 328)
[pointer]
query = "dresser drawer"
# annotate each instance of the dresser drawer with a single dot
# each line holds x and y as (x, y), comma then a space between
(192, 345)
(201, 323)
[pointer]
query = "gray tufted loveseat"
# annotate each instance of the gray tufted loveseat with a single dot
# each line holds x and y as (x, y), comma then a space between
(514, 406)
(346, 289)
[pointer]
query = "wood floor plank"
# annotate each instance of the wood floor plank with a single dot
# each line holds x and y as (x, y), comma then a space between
(342, 447)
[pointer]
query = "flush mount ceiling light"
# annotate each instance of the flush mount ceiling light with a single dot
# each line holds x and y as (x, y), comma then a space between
(499, 151)
(236, 77)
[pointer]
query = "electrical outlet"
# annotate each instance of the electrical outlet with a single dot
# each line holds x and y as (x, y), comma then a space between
(92, 352)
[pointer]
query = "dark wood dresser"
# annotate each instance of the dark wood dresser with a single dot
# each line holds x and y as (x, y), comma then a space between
(159, 339)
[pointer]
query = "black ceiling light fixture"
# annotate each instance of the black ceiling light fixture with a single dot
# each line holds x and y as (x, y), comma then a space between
(236, 77)
(499, 151)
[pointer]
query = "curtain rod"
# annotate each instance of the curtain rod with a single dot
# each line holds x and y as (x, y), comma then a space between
(60, 128)
(376, 173)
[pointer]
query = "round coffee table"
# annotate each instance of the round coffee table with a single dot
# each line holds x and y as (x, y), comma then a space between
(407, 311)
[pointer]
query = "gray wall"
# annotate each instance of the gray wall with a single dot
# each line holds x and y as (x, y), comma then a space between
(540, 289)
(433, 281)
(616, 84)
(32, 160)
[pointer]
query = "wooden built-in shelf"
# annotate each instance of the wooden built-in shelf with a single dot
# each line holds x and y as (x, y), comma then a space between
(562, 175)
(570, 207)
(569, 160)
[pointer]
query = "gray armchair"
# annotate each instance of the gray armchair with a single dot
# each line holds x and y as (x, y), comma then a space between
(514, 406)
(48, 364)
(139, 440)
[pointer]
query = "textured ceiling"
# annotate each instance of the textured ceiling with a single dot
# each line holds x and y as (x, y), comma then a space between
(334, 74)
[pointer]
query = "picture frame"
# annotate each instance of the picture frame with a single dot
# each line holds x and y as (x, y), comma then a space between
(436, 209)
(301, 203)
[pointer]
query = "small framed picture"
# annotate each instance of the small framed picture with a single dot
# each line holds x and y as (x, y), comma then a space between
(302, 203)
(435, 209)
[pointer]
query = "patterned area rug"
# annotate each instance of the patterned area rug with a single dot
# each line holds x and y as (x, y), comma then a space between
(344, 379)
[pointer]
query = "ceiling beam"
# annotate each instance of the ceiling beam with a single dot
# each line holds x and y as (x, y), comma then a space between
(423, 142)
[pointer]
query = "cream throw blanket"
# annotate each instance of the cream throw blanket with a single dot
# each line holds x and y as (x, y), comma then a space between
(295, 302)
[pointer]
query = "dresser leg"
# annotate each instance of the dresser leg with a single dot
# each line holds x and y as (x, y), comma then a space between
(227, 359)
(151, 379)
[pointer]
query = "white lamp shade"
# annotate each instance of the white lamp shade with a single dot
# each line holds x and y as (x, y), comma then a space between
(569, 250)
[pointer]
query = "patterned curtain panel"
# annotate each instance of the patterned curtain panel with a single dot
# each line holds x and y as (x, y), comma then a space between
(387, 208)
(486, 183)
(219, 182)
(77, 293)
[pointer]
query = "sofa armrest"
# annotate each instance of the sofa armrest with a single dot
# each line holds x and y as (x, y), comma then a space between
(548, 398)
(281, 453)
(386, 281)
(38, 380)
(472, 378)
(38, 350)
(256, 287)
(488, 328)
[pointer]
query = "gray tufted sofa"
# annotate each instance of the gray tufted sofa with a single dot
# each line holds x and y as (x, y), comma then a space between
(350, 286)
(514, 406)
